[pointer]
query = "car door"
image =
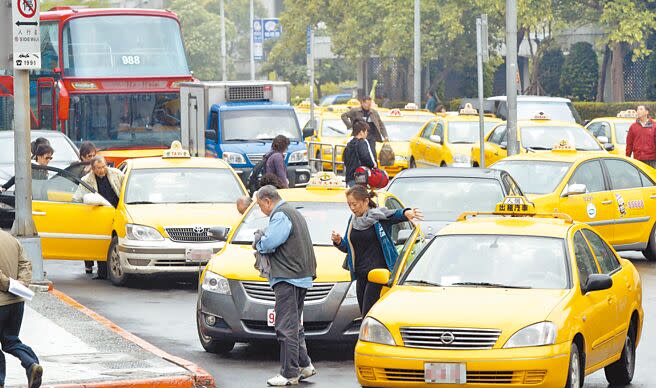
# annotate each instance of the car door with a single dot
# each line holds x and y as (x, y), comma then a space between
(594, 307)
(435, 150)
(69, 230)
(618, 294)
(496, 145)
(409, 253)
(632, 221)
(596, 206)
(420, 144)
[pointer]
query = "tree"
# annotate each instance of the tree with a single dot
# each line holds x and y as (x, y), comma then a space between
(549, 70)
(579, 73)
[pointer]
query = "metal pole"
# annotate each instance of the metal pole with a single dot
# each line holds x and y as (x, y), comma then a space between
(224, 67)
(481, 108)
(511, 72)
(311, 71)
(417, 60)
(252, 12)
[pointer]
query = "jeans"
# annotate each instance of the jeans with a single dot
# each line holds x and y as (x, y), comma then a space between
(11, 317)
(290, 333)
(368, 294)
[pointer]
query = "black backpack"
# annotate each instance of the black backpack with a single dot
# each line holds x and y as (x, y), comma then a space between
(258, 171)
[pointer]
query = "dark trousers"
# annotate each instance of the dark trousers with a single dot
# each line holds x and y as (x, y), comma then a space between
(290, 333)
(88, 263)
(651, 163)
(11, 317)
(368, 294)
(372, 145)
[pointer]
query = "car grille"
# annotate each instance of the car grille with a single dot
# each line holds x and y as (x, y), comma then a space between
(473, 377)
(308, 327)
(256, 158)
(189, 234)
(263, 291)
(449, 338)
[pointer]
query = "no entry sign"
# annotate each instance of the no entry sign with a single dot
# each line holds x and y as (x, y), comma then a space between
(26, 36)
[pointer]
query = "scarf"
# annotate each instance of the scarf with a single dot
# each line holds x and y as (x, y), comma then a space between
(368, 219)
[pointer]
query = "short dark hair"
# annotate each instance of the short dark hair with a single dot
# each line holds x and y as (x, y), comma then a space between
(43, 149)
(364, 98)
(359, 126)
(280, 143)
(361, 193)
(36, 143)
(271, 179)
(86, 148)
(646, 108)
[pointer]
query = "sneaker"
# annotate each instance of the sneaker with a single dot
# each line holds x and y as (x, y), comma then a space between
(281, 381)
(307, 372)
(34, 374)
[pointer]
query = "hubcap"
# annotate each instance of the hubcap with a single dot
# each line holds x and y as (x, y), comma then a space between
(575, 372)
(115, 264)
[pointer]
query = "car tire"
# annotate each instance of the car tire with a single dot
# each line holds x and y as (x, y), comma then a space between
(574, 371)
(621, 371)
(102, 270)
(116, 273)
(413, 164)
(210, 344)
(650, 252)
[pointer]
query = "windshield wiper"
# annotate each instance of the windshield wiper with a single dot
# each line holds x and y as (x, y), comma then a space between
(487, 284)
(193, 202)
(239, 139)
(462, 142)
(140, 203)
(538, 148)
(422, 283)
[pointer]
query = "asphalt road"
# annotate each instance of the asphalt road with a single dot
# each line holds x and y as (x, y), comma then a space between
(162, 312)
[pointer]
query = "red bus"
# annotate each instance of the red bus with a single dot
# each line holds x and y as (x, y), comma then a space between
(111, 76)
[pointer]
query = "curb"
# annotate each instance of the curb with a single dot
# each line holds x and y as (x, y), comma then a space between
(198, 378)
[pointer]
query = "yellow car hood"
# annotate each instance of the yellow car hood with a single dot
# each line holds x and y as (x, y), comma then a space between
(236, 261)
(481, 307)
(160, 216)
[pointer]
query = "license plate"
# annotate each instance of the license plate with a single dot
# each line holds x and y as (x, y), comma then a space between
(445, 373)
(271, 317)
(197, 255)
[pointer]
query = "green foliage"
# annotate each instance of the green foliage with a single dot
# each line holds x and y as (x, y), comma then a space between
(550, 70)
(47, 5)
(628, 21)
(301, 92)
(591, 110)
(579, 73)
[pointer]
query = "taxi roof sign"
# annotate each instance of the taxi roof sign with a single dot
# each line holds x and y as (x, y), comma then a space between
(541, 116)
(176, 151)
(628, 114)
(411, 106)
(517, 206)
(353, 102)
(468, 110)
(325, 180)
(395, 113)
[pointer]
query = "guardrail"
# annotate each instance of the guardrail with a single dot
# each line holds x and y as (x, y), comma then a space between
(318, 162)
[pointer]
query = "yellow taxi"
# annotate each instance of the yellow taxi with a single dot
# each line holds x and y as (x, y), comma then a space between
(236, 305)
(448, 140)
(614, 194)
(613, 129)
(166, 206)
(330, 136)
(537, 134)
(401, 125)
(302, 111)
(504, 298)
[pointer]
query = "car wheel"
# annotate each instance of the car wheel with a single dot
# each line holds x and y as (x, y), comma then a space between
(650, 252)
(117, 274)
(102, 270)
(621, 371)
(574, 372)
(413, 164)
(210, 344)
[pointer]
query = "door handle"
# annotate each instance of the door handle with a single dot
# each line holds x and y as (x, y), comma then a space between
(38, 213)
(610, 300)
(653, 196)
(628, 286)
(607, 202)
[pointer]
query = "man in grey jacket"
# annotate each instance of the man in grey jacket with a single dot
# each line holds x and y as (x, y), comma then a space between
(288, 244)
(14, 265)
(377, 131)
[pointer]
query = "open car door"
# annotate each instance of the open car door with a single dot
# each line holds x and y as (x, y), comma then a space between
(414, 244)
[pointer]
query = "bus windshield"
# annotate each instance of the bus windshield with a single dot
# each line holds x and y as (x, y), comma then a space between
(122, 46)
(129, 120)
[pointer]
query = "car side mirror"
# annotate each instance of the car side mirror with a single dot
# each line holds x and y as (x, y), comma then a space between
(210, 134)
(219, 233)
(598, 282)
(436, 139)
(586, 122)
(602, 139)
(609, 147)
(379, 276)
(503, 145)
(575, 189)
(403, 236)
(308, 132)
(95, 199)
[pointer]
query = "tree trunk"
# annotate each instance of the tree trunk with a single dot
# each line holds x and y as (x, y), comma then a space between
(601, 86)
(617, 72)
(317, 84)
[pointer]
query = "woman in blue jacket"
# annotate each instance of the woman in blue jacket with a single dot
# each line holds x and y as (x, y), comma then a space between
(367, 242)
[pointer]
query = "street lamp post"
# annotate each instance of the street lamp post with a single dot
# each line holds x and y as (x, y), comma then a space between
(224, 71)
(417, 59)
(252, 12)
(511, 72)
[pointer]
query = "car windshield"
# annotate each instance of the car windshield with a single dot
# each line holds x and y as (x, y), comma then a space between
(621, 130)
(534, 176)
(334, 128)
(259, 124)
(321, 217)
(182, 185)
(303, 118)
(64, 151)
(492, 261)
(125, 120)
(123, 46)
(445, 198)
(555, 110)
(403, 130)
(544, 138)
(466, 131)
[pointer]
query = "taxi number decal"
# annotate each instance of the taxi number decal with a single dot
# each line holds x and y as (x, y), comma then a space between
(592, 210)
(638, 204)
(271, 317)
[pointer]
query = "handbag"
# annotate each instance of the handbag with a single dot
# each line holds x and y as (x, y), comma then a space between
(386, 155)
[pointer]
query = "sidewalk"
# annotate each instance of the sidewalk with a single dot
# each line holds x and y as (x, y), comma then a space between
(78, 348)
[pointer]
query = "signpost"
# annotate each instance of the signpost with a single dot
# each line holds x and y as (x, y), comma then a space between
(258, 40)
(27, 44)
(481, 56)
(272, 28)
(309, 50)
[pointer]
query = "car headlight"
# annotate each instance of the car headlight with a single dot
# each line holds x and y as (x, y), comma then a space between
(352, 291)
(461, 158)
(401, 158)
(142, 233)
(538, 334)
(374, 331)
(213, 282)
(234, 158)
(298, 156)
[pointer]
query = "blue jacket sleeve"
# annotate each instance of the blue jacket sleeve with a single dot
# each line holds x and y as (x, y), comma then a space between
(280, 226)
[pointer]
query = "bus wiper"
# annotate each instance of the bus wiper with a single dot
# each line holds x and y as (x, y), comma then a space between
(422, 283)
(487, 284)
(140, 203)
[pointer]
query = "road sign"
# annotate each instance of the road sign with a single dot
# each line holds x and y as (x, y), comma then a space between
(258, 39)
(26, 36)
(272, 28)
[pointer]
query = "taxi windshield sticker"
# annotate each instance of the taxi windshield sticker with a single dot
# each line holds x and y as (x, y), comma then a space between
(592, 210)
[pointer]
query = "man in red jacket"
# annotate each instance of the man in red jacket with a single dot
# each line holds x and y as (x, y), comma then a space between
(641, 141)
